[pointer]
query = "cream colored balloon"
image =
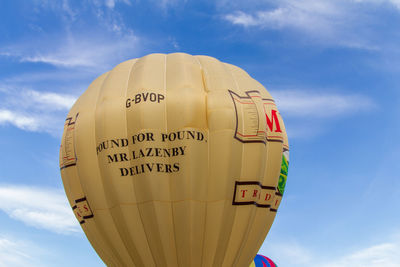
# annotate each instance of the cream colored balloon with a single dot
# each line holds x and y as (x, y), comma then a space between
(174, 160)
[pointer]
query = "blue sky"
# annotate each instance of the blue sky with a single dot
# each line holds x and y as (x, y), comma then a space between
(332, 66)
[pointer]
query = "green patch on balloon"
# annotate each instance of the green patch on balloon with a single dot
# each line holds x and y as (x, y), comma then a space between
(283, 174)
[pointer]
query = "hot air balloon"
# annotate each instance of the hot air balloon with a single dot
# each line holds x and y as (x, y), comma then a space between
(174, 160)
(262, 261)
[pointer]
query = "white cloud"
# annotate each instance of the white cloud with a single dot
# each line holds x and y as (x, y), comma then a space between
(60, 80)
(78, 52)
(68, 10)
(297, 103)
(21, 121)
(34, 121)
(15, 253)
(35, 111)
(111, 3)
(305, 14)
(50, 101)
(41, 208)
(166, 3)
(242, 18)
(395, 3)
(308, 114)
(331, 22)
(92, 47)
(295, 254)
(385, 254)
(92, 53)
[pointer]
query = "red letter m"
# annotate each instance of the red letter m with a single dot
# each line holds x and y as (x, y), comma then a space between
(270, 122)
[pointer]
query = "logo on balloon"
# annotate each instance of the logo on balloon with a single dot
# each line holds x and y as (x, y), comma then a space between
(254, 193)
(68, 157)
(284, 172)
(82, 210)
(257, 118)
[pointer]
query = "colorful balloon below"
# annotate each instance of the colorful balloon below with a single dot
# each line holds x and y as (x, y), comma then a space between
(262, 261)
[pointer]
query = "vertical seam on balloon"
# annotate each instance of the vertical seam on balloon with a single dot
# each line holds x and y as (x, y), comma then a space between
(118, 227)
(208, 161)
(105, 239)
(114, 254)
(230, 235)
(205, 88)
(169, 160)
(126, 134)
(191, 208)
(241, 169)
(133, 185)
(88, 229)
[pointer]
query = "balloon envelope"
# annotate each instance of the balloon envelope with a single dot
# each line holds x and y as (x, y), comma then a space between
(175, 160)
(262, 261)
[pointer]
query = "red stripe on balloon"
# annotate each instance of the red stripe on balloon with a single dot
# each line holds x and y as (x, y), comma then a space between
(271, 263)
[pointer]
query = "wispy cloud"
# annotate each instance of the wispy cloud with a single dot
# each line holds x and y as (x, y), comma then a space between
(306, 113)
(93, 53)
(242, 18)
(296, 103)
(48, 100)
(35, 111)
(330, 22)
(94, 47)
(295, 254)
(165, 4)
(395, 3)
(92, 39)
(16, 253)
(385, 254)
(41, 208)
(305, 15)
(58, 77)
(111, 3)
(21, 121)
